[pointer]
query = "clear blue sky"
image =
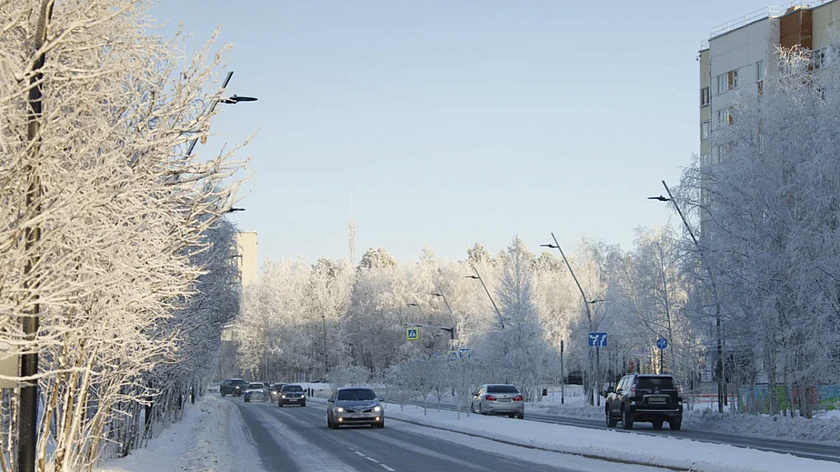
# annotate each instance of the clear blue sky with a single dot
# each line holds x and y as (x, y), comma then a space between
(455, 122)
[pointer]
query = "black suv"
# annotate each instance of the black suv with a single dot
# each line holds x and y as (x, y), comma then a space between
(648, 398)
(235, 387)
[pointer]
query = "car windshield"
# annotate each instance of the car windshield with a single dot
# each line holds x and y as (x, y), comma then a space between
(653, 383)
(501, 389)
(238, 382)
(256, 386)
(357, 394)
(277, 386)
(292, 388)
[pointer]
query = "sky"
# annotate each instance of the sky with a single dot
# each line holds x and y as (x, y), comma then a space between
(449, 123)
(213, 436)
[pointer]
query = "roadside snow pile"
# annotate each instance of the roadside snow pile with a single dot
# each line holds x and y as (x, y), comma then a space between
(208, 439)
(825, 426)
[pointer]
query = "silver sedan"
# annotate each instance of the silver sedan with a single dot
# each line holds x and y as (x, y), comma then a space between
(499, 399)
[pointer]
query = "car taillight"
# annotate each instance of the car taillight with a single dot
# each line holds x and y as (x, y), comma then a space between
(633, 389)
(490, 398)
(518, 398)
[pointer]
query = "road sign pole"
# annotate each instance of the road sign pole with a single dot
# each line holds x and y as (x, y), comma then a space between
(598, 374)
(562, 377)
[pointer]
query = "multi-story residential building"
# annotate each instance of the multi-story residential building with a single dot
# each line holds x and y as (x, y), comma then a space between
(742, 55)
(247, 257)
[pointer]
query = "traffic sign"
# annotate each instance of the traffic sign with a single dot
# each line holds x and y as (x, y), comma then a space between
(412, 334)
(597, 339)
(453, 355)
(464, 352)
(662, 343)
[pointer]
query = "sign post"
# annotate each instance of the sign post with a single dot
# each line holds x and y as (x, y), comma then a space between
(661, 343)
(598, 340)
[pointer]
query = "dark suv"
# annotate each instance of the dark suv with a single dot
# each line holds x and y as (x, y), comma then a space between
(235, 387)
(645, 398)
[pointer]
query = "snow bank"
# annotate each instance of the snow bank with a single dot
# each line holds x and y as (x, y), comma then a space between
(210, 438)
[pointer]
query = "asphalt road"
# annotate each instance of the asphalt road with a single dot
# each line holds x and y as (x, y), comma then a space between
(297, 439)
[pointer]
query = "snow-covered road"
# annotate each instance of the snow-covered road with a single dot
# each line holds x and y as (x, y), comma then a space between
(226, 434)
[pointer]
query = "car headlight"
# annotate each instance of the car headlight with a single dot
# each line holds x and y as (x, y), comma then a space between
(377, 408)
(283, 396)
(340, 410)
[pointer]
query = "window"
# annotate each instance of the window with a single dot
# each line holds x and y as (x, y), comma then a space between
(727, 81)
(819, 59)
(705, 129)
(704, 97)
(759, 71)
(722, 84)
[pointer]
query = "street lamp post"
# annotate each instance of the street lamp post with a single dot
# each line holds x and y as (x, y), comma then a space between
(586, 303)
(451, 315)
(234, 99)
(719, 370)
(477, 276)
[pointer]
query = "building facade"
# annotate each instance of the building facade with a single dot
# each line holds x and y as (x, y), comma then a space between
(247, 256)
(742, 56)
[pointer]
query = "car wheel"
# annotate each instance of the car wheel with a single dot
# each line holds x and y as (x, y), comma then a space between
(303, 404)
(521, 416)
(333, 424)
(472, 408)
(481, 410)
(626, 419)
(381, 424)
(610, 421)
(512, 415)
(657, 424)
(280, 404)
(223, 394)
(247, 400)
(675, 423)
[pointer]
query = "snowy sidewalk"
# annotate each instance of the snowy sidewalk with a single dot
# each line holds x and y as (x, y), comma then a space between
(210, 438)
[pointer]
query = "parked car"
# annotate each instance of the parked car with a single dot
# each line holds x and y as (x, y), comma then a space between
(645, 398)
(499, 399)
(274, 391)
(353, 406)
(256, 391)
(291, 394)
(233, 386)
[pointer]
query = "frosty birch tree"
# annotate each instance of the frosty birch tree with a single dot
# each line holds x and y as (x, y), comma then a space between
(100, 212)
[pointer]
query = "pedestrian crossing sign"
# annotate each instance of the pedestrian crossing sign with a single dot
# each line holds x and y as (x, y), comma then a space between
(412, 334)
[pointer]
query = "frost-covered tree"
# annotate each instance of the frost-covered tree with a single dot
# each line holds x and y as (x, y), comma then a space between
(770, 209)
(102, 212)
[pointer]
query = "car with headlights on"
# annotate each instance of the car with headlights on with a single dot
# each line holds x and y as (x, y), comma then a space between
(355, 406)
(256, 391)
(274, 391)
(499, 399)
(291, 394)
(233, 386)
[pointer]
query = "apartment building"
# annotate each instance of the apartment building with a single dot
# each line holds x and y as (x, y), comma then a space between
(247, 256)
(742, 55)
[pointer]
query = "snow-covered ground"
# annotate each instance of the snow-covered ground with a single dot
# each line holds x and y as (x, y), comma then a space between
(212, 438)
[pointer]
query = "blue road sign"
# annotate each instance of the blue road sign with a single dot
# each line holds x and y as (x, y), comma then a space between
(412, 334)
(464, 352)
(597, 339)
(662, 343)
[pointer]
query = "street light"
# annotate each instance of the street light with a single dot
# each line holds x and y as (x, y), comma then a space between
(719, 368)
(234, 99)
(451, 314)
(586, 303)
(477, 276)
(234, 210)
